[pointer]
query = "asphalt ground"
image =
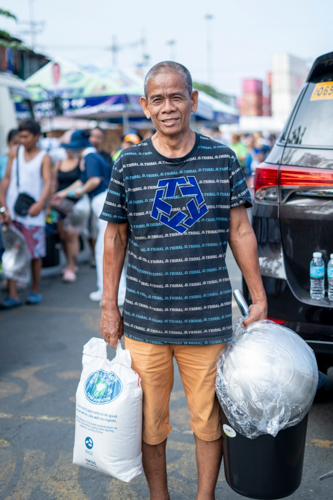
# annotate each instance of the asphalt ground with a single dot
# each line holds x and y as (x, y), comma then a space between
(40, 363)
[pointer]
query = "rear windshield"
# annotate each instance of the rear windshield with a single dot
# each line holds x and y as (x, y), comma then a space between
(313, 124)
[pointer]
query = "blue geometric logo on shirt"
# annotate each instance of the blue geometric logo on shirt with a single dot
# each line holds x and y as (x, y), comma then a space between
(196, 206)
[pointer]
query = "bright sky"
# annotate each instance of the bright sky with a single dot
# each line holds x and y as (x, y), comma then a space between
(244, 33)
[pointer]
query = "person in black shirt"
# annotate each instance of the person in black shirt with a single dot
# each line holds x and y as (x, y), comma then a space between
(176, 200)
(65, 173)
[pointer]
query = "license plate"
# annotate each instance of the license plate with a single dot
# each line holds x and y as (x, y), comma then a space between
(322, 90)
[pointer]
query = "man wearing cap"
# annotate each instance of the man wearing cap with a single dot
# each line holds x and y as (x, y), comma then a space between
(94, 179)
(177, 199)
(129, 139)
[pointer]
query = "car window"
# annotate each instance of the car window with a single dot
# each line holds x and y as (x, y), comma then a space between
(284, 132)
(313, 124)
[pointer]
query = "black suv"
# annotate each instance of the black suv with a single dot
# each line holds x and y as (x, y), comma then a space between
(293, 213)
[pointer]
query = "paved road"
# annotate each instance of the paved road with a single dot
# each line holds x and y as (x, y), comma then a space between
(40, 361)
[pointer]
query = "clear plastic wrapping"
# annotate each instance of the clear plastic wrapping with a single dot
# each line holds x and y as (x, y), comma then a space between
(77, 220)
(266, 379)
(16, 258)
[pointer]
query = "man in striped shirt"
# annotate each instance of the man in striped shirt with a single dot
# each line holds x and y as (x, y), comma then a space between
(176, 200)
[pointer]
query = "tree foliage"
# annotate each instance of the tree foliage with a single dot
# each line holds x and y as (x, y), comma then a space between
(6, 40)
(6, 13)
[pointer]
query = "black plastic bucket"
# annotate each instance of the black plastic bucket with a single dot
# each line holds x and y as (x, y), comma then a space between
(267, 467)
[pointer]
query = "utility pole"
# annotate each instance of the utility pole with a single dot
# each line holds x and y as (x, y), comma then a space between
(114, 51)
(115, 48)
(172, 44)
(35, 27)
(209, 17)
(32, 27)
(143, 48)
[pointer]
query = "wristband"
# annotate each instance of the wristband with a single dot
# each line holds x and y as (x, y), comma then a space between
(71, 194)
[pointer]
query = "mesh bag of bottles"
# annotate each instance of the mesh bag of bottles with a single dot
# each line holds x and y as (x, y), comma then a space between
(266, 379)
(77, 220)
(16, 257)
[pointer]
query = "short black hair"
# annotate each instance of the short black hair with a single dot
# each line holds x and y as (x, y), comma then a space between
(100, 129)
(11, 134)
(30, 126)
(169, 67)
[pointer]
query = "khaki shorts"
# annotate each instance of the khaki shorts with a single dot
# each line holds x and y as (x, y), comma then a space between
(197, 367)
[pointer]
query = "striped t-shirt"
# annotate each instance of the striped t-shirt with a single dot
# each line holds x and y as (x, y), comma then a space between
(178, 211)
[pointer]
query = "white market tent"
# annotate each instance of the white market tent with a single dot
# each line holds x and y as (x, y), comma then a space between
(223, 113)
(108, 95)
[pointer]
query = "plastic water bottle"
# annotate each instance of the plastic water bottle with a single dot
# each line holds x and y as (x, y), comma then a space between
(330, 278)
(317, 276)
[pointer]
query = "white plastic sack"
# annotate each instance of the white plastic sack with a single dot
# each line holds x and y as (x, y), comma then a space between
(108, 423)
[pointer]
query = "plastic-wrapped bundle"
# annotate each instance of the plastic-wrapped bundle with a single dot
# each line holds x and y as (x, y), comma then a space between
(16, 258)
(266, 379)
(77, 220)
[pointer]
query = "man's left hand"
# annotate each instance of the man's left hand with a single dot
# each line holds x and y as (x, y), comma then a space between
(35, 209)
(258, 311)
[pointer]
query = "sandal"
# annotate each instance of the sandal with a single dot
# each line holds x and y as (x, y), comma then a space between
(66, 268)
(69, 276)
(34, 298)
(10, 303)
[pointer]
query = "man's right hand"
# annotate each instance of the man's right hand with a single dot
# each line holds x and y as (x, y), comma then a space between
(12, 152)
(111, 325)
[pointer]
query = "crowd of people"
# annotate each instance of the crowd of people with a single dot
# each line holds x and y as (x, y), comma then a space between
(73, 190)
(250, 149)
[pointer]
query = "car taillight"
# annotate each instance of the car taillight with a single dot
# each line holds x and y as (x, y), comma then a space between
(268, 177)
(305, 177)
(278, 321)
(266, 182)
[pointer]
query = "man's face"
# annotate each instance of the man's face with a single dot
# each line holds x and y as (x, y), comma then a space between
(28, 139)
(169, 103)
(96, 138)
